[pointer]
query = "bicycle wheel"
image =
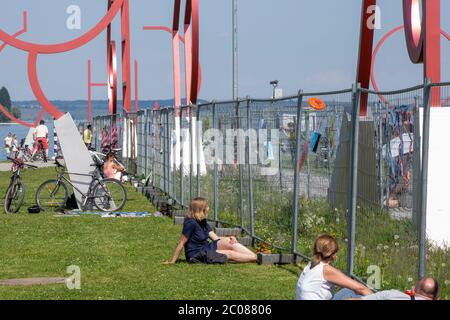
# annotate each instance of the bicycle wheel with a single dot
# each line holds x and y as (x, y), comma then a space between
(109, 195)
(14, 198)
(51, 194)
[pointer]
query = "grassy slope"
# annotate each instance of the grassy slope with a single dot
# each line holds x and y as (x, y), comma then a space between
(119, 258)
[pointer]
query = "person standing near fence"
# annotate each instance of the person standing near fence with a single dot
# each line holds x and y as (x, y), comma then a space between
(14, 146)
(87, 136)
(41, 135)
(7, 144)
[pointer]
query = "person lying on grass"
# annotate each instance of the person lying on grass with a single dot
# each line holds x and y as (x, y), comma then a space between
(319, 277)
(426, 289)
(197, 248)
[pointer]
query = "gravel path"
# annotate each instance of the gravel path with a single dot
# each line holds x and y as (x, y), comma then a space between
(6, 166)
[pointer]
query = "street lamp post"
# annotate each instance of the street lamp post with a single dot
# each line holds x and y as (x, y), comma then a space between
(235, 52)
(274, 84)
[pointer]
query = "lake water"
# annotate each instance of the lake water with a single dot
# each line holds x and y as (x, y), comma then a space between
(21, 133)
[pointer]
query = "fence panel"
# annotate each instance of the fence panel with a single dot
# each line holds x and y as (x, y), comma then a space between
(324, 154)
(207, 148)
(386, 234)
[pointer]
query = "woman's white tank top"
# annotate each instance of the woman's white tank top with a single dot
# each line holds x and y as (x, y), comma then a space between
(312, 286)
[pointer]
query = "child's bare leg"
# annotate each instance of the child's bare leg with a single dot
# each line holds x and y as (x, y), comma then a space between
(238, 256)
(225, 244)
(242, 249)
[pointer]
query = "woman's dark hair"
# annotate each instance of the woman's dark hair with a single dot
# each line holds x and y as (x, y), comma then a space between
(42, 122)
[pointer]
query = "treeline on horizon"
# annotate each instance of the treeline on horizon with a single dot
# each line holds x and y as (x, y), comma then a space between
(78, 108)
(5, 101)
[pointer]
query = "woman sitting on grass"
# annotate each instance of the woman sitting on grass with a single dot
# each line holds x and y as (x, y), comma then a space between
(318, 279)
(111, 169)
(195, 235)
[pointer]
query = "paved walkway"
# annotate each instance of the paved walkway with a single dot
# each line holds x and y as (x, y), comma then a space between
(6, 166)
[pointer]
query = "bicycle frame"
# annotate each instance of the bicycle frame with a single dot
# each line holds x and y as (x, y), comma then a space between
(14, 178)
(85, 196)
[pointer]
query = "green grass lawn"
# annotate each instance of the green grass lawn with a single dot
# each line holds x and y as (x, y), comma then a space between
(119, 258)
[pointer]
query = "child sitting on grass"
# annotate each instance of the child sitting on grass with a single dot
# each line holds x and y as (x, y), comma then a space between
(197, 248)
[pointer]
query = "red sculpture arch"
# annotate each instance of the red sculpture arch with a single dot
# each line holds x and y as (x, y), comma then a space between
(375, 54)
(34, 50)
(176, 66)
(2, 108)
(422, 40)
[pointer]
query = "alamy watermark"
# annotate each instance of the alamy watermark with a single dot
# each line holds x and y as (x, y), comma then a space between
(374, 20)
(236, 147)
(73, 22)
(73, 282)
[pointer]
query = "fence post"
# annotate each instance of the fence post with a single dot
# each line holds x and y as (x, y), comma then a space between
(250, 174)
(198, 146)
(329, 120)
(146, 133)
(416, 166)
(241, 168)
(353, 178)
(308, 170)
(424, 178)
(181, 158)
(164, 146)
(154, 155)
(280, 160)
(111, 129)
(174, 149)
(380, 153)
(216, 182)
(295, 195)
(191, 156)
(168, 150)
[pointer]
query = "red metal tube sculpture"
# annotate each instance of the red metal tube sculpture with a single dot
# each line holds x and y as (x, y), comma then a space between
(34, 50)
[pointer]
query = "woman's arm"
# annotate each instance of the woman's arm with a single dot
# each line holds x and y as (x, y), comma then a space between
(338, 278)
(118, 167)
(213, 236)
(176, 254)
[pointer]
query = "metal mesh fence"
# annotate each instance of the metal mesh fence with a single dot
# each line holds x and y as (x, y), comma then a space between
(285, 172)
(323, 166)
(387, 239)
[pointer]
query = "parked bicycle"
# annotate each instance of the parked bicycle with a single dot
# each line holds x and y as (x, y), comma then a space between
(107, 195)
(15, 194)
(25, 152)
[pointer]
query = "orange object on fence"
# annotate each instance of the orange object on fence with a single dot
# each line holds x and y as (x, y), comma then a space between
(317, 104)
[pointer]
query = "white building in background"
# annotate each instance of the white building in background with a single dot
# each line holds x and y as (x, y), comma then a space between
(278, 93)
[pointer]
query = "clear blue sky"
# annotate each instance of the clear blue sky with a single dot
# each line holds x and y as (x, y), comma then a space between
(308, 44)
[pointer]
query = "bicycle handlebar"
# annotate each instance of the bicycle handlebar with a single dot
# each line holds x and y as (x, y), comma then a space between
(22, 163)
